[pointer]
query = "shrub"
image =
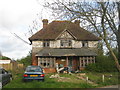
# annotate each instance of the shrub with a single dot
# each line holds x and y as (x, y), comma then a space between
(26, 60)
(5, 58)
(103, 64)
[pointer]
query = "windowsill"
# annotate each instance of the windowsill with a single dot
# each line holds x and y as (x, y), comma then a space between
(46, 47)
(66, 47)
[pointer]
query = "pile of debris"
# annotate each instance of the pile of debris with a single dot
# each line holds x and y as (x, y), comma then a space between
(55, 76)
(60, 79)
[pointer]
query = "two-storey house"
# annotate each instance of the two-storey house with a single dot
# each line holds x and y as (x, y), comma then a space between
(63, 43)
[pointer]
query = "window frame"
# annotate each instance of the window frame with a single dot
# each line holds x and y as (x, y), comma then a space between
(46, 62)
(66, 43)
(85, 44)
(46, 43)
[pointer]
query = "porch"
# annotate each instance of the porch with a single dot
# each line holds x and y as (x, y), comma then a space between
(74, 63)
(75, 59)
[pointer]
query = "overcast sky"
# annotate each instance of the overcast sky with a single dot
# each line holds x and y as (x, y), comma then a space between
(15, 17)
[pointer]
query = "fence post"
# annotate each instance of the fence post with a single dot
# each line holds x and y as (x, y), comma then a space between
(103, 78)
(11, 66)
(87, 79)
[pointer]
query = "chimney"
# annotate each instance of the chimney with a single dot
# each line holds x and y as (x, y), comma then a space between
(77, 22)
(45, 22)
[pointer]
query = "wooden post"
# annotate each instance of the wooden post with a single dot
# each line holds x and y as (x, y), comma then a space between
(87, 79)
(103, 78)
(50, 62)
(42, 62)
(67, 61)
(11, 66)
(87, 60)
(46, 62)
(80, 61)
(94, 59)
(90, 59)
(38, 61)
(83, 61)
(54, 62)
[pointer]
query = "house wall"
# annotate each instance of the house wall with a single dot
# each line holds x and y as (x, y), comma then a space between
(38, 45)
(75, 44)
(93, 44)
(55, 44)
(5, 61)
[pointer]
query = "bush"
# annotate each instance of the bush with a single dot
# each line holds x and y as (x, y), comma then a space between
(26, 60)
(5, 58)
(103, 64)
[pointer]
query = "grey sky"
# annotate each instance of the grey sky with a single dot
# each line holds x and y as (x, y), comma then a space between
(15, 17)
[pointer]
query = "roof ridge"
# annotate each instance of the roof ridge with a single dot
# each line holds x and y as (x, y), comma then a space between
(62, 21)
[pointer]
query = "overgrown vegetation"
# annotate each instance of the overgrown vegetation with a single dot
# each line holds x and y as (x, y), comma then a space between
(73, 82)
(97, 17)
(4, 58)
(26, 60)
(48, 83)
(109, 78)
(103, 64)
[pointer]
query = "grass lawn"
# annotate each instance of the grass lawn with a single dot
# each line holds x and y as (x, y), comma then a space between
(69, 82)
(109, 78)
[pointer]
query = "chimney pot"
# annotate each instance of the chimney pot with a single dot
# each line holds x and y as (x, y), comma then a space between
(77, 22)
(45, 22)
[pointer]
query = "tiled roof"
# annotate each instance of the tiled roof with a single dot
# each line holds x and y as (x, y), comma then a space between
(55, 28)
(66, 52)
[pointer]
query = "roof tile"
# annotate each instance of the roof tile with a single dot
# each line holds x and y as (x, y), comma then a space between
(53, 30)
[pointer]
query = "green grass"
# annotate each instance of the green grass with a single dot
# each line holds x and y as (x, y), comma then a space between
(108, 80)
(70, 81)
(48, 83)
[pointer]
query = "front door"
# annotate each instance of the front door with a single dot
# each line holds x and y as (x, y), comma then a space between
(73, 63)
(61, 61)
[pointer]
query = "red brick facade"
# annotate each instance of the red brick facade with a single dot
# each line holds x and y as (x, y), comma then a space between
(34, 59)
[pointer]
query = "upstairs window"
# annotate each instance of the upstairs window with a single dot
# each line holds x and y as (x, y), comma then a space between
(66, 43)
(46, 43)
(84, 43)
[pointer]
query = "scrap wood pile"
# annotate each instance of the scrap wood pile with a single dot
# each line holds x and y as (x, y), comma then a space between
(63, 79)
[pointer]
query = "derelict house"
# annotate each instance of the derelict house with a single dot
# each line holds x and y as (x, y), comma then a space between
(65, 44)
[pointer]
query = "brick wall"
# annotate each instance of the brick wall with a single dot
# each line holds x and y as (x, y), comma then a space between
(49, 70)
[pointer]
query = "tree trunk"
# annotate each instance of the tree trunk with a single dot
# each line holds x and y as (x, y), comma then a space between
(113, 55)
(118, 41)
(105, 38)
(118, 33)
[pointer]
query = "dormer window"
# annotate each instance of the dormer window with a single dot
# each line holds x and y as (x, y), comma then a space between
(46, 43)
(66, 43)
(84, 43)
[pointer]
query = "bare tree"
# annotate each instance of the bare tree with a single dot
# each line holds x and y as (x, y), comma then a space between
(99, 17)
(118, 31)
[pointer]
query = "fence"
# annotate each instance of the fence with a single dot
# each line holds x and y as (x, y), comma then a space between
(12, 66)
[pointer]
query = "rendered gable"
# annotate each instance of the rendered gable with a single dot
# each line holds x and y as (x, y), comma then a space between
(65, 35)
